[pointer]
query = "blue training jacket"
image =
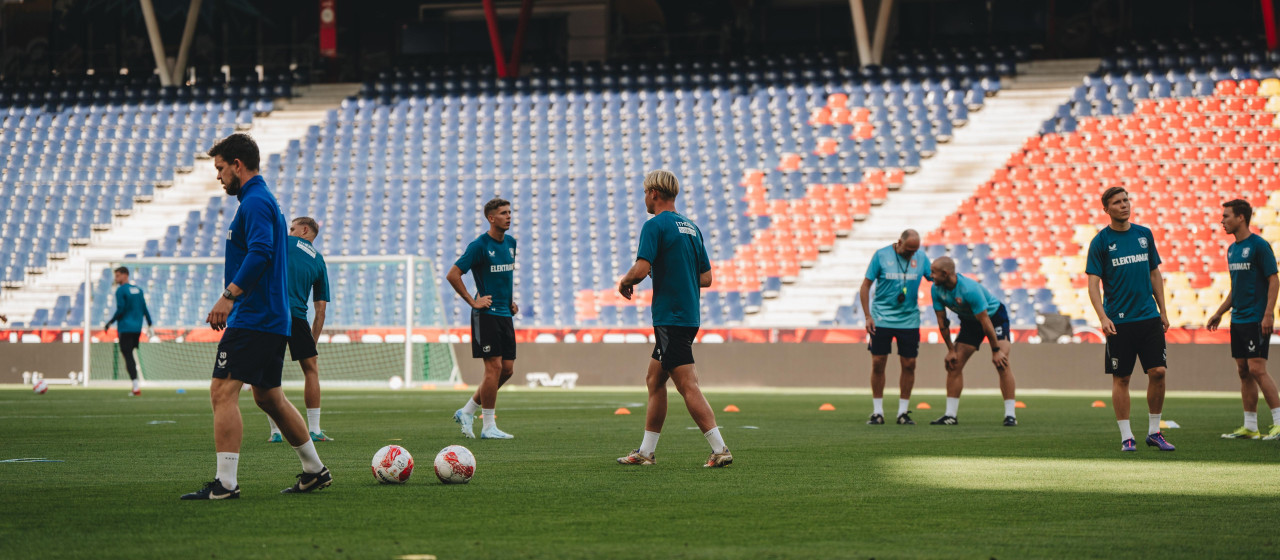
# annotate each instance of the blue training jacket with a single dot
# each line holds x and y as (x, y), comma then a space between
(257, 261)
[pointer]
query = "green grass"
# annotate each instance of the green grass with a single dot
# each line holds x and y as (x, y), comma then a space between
(805, 484)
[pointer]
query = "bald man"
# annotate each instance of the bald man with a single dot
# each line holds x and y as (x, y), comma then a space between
(981, 316)
(895, 271)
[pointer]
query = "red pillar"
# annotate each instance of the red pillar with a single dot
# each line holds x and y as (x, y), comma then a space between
(1269, 22)
(499, 59)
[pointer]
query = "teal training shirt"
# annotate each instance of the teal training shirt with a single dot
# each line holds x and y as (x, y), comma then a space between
(131, 309)
(967, 299)
(1251, 262)
(493, 267)
(308, 276)
(673, 246)
(894, 275)
(1124, 261)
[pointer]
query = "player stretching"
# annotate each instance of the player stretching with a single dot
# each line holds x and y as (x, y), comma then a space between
(308, 279)
(981, 316)
(1252, 266)
(894, 314)
(1123, 260)
(671, 251)
(254, 311)
(131, 309)
(491, 258)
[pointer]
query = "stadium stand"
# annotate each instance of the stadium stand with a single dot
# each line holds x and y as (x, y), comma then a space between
(812, 144)
(1194, 129)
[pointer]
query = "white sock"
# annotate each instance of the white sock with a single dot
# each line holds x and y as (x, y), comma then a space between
(904, 406)
(649, 443)
(471, 407)
(1275, 416)
(307, 454)
(227, 463)
(717, 442)
(489, 420)
(1251, 421)
(1125, 431)
(877, 406)
(1153, 425)
(953, 406)
(135, 384)
(1009, 406)
(274, 428)
(313, 420)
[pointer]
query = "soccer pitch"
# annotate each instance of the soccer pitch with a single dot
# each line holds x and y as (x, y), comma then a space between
(804, 483)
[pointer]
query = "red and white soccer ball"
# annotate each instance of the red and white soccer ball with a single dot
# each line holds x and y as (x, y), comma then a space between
(392, 465)
(41, 387)
(455, 465)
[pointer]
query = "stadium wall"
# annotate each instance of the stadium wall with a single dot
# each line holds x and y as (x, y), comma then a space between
(1198, 367)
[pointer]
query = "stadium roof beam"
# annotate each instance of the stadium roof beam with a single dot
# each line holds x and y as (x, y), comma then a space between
(170, 76)
(507, 68)
(867, 54)
(157, 45)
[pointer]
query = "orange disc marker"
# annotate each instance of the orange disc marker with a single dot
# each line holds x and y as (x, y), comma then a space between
(731, 408)
(622, 411)
(1019, 404)
(1099, 404)
(827, 406)
(923, 406)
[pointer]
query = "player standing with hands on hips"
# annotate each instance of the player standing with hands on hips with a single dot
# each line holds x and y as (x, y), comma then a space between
(672, 252)
(491, 259)
(1124, 261)
(253, 313)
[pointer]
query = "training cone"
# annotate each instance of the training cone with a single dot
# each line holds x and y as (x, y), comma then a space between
(1019, 404)
(827, 406)
(428, 386)
(731, 408)
(1099, 404)
(622, 411)
(459, 386)
(923, 406)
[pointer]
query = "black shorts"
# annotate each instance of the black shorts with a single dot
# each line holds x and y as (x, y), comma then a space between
(1142, 340)
(971, 329)
(674, 345)
(129, 341)
(492, 336)
(1247, 341)
(253, 357)
(882, 342)
(301, 344)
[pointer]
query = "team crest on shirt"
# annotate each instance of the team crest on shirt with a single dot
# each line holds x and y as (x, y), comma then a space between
(513, 251)
(1245, 253)
(959, 300)
(1143, 242)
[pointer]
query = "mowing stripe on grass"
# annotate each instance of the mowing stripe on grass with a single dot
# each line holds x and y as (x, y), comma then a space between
(1200, 478)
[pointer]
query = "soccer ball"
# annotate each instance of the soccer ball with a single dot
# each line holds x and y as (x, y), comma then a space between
(392, 465)
(40, 387)
(455, 465)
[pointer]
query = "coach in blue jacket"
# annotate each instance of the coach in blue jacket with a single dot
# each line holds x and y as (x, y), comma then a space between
(253, 313)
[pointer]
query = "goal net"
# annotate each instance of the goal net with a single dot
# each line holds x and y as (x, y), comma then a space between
(384, 320)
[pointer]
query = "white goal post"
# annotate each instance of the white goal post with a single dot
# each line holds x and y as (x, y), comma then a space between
(390, 301)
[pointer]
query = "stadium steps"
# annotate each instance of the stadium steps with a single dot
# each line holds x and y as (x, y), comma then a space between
(925, 198)
(171, 206)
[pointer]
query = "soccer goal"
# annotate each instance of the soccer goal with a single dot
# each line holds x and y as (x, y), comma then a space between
(384, 323)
